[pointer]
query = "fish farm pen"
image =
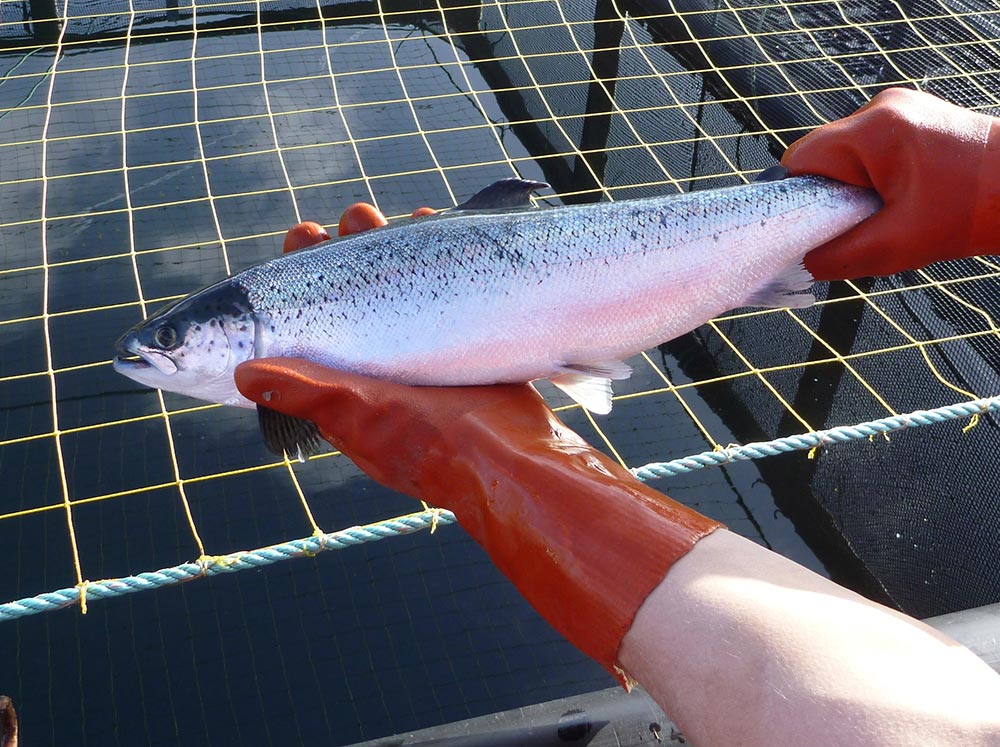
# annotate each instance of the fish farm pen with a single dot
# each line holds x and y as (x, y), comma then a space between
(149, 147)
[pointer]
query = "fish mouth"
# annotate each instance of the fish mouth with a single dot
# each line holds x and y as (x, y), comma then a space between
(132, 358)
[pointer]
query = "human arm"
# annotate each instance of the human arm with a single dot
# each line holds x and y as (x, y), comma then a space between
(936, 167)
(739, 643)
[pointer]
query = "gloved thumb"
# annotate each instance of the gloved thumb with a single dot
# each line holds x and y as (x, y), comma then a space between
(373, 422)
(297, 387)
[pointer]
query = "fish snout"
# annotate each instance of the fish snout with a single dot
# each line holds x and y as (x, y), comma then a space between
(132, 357)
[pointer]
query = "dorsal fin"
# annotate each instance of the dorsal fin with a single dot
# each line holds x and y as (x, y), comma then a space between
(773, 174)
(506, 193)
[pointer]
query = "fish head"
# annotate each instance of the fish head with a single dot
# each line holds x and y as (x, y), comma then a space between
(193, 346)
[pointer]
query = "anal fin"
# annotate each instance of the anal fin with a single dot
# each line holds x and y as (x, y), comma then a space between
(777, 292)
(284, 434)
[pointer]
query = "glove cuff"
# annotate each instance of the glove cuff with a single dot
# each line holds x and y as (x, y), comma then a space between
(984, 237)
(582, 539)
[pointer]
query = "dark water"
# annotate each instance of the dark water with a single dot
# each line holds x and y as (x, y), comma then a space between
(350, 645)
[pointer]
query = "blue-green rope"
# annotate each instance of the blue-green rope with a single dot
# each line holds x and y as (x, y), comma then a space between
(760, 449)
(213, 566)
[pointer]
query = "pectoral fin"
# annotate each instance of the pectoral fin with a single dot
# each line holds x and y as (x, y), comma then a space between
(284, 434)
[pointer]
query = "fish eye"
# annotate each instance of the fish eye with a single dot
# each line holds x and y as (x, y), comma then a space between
(165, 337)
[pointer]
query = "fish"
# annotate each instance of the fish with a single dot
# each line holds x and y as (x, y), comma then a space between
(497, 291)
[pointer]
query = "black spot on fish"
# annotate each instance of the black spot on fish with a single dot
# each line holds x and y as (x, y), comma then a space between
(211, 322)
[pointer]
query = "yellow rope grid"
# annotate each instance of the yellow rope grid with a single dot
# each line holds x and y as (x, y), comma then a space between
(391, 42)
(50, 372)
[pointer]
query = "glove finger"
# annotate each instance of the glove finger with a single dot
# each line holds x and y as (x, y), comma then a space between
(298, 387)
(359, 217)
(304, 234)
(827, 154)
(872, 248)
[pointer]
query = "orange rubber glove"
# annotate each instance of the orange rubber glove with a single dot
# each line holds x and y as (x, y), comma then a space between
(582, 539)
(303, 235)
(937, 169)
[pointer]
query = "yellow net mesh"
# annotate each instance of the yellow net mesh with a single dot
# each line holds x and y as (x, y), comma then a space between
(146, 150)
(141, 166)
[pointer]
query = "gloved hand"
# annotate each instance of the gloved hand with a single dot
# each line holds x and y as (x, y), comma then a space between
(583, 540)
(937, 169)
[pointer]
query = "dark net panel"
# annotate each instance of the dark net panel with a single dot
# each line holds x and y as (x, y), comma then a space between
(33, 20)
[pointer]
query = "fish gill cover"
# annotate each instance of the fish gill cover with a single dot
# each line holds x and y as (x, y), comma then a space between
(150, 148)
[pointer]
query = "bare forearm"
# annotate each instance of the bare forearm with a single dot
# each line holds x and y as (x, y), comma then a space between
(742, 646)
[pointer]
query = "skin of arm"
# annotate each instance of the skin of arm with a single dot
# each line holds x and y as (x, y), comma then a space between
(744, 647)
